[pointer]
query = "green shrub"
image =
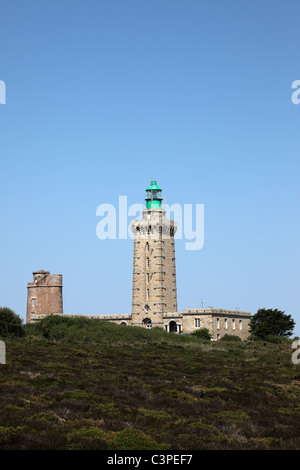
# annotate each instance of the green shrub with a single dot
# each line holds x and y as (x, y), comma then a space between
(56, 328)
(203, 333)
(277, 339)
(92, 330)
(11, 325)
(230, 338)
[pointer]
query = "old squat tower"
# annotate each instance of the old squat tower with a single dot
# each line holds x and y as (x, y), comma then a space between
(154, 290)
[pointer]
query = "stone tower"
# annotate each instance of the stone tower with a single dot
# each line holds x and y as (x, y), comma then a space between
(154, 290)
(44, 295)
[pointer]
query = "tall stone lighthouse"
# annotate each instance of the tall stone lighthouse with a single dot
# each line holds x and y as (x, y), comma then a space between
(154, 291)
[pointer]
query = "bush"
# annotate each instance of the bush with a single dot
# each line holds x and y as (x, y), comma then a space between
(92, 330)
(11, 325)
(230, 338)
(277, 339)
(203, 333)
(56, 328)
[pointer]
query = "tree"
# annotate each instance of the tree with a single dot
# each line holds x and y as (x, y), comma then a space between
(271, 323)
(11, 325)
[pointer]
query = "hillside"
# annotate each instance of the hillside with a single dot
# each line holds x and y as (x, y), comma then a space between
(82, 384)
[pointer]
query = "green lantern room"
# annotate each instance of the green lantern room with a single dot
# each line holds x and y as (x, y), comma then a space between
(153, 196)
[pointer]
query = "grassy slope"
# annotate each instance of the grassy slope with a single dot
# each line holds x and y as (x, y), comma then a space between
(103, 386)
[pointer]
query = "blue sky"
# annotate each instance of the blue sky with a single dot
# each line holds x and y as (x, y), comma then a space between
(102, 96)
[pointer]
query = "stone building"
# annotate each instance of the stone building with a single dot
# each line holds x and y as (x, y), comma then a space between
(154, 290)
(44, 295)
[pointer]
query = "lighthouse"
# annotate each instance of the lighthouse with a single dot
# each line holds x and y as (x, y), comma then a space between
(154, 291)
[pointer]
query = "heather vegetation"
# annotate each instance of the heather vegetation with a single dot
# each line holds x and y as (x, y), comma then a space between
(77, 383)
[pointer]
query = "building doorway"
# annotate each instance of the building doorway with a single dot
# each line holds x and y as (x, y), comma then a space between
(173, 327)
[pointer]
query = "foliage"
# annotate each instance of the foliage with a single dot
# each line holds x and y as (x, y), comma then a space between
(91, 330)
(267, 323)
(202, 333)
(11, 325)
(277, 339)
(230, 338)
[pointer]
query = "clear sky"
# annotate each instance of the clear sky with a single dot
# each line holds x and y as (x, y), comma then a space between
(102, 96)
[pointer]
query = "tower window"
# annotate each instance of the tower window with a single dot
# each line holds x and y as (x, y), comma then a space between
(240, 324)
(233, 324)
(225, 323)
(33, 301)
(148, 278)
(218, 323)
(197, 322)
(147, 246)
(148, 263)
(147, 292)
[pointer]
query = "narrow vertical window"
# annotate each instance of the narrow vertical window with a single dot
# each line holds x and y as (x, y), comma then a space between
(148, 278)
(33, 301)
(148, 263)
(225, 323)
(233, 324)
(197, 322)
(240, 324)
(218, 323)
(147, 246)
(147, 294)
